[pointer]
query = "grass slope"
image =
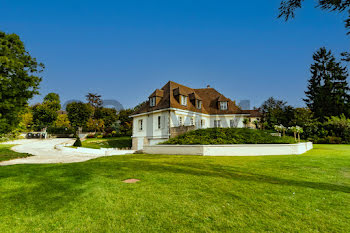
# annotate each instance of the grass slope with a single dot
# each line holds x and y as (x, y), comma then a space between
(7, 154)
(97, 143)
(228, 136)
(304, 193)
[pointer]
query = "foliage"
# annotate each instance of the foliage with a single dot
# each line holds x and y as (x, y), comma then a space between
(245, 122)
(276, 112)
(54, 99)
(288, 7)
(94, 100)
(228, 136)
(18, 78)
(77, 142)
(62, 121)
(327, 93)
(60, 130)
(79, 113)
(95, 125)
(108, 115)
(125, 121)
(339, 127)
(44, 115)
(27, 119)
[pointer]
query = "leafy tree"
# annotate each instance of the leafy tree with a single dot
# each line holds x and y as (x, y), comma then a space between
(95, 125)
(108, 115)
(18, 78)
(125, 121)
(94, 100)
(339, 126)
(44, 115)
(62, 121)
(276, 112)
(54, 100)
(79, 113)
(327, 93)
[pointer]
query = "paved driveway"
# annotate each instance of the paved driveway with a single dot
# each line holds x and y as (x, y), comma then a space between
(44, 152)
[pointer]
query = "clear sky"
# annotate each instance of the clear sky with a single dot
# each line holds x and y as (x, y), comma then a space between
(124, 50)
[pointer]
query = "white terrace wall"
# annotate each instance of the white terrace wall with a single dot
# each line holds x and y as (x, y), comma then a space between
(230, 150)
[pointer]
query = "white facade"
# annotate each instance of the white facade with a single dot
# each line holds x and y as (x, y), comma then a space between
(152, 128)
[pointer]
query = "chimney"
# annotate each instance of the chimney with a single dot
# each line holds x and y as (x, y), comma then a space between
(208, 86)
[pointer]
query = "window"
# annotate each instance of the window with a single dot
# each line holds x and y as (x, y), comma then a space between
(152, 101)
(192, 121)
(232, 123)
(180, 121)
(140, 125)
(199, 104)
(183, 100)
(223, 105)
(217, 123)
(159, 122)
(202, 123)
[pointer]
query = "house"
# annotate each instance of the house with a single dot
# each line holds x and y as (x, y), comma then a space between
(175, 109)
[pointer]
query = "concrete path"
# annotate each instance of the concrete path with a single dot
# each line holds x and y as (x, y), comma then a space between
(44, 152)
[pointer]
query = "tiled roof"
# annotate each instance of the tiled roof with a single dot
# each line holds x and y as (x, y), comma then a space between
(209, 97)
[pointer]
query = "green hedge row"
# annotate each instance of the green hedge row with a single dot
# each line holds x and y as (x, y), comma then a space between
(228, 136)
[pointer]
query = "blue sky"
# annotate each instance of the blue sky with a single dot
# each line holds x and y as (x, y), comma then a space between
(124, 50)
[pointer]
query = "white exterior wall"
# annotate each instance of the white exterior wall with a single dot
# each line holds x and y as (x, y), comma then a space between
(150, 128)
(231, 150)
(170, 118)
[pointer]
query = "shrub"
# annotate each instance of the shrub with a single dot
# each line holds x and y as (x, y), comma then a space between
(60, 130)
(77, 142)
(328, 140)
(228, 136)
(90, 135)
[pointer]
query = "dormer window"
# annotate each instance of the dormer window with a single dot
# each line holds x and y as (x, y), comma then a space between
(198, 104)
(152, 101)
(183, 100)
(223, 105)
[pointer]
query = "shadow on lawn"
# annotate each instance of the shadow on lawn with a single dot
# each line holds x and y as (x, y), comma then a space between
(228, 172)
(41, 188)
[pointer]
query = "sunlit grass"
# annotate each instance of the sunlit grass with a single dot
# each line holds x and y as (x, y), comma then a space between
(295, 193)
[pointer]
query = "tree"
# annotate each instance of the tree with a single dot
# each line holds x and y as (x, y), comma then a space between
(288, 8)
(62, 121)
(18, 78)
(44, 115)
(95, 125)
(94, 100)
(245, 122)
(327, 93)
(125, 121)
(79, 113)
(54, 100)
(108, 115)
(276, 112)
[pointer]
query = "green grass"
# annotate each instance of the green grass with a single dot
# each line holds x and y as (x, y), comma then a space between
(303, 193)
(117, 142)
(7, 154)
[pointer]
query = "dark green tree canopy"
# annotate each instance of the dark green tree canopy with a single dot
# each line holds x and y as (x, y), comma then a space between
(79, 113)
(18, 79)
(328, 90)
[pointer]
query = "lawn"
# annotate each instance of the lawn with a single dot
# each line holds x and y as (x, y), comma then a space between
(117, 142)
(7, 154)
(303, 193)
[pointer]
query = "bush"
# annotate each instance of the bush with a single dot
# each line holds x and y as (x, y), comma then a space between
(228, 136)
(328, 140)
(77, 142)
(60, 130)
